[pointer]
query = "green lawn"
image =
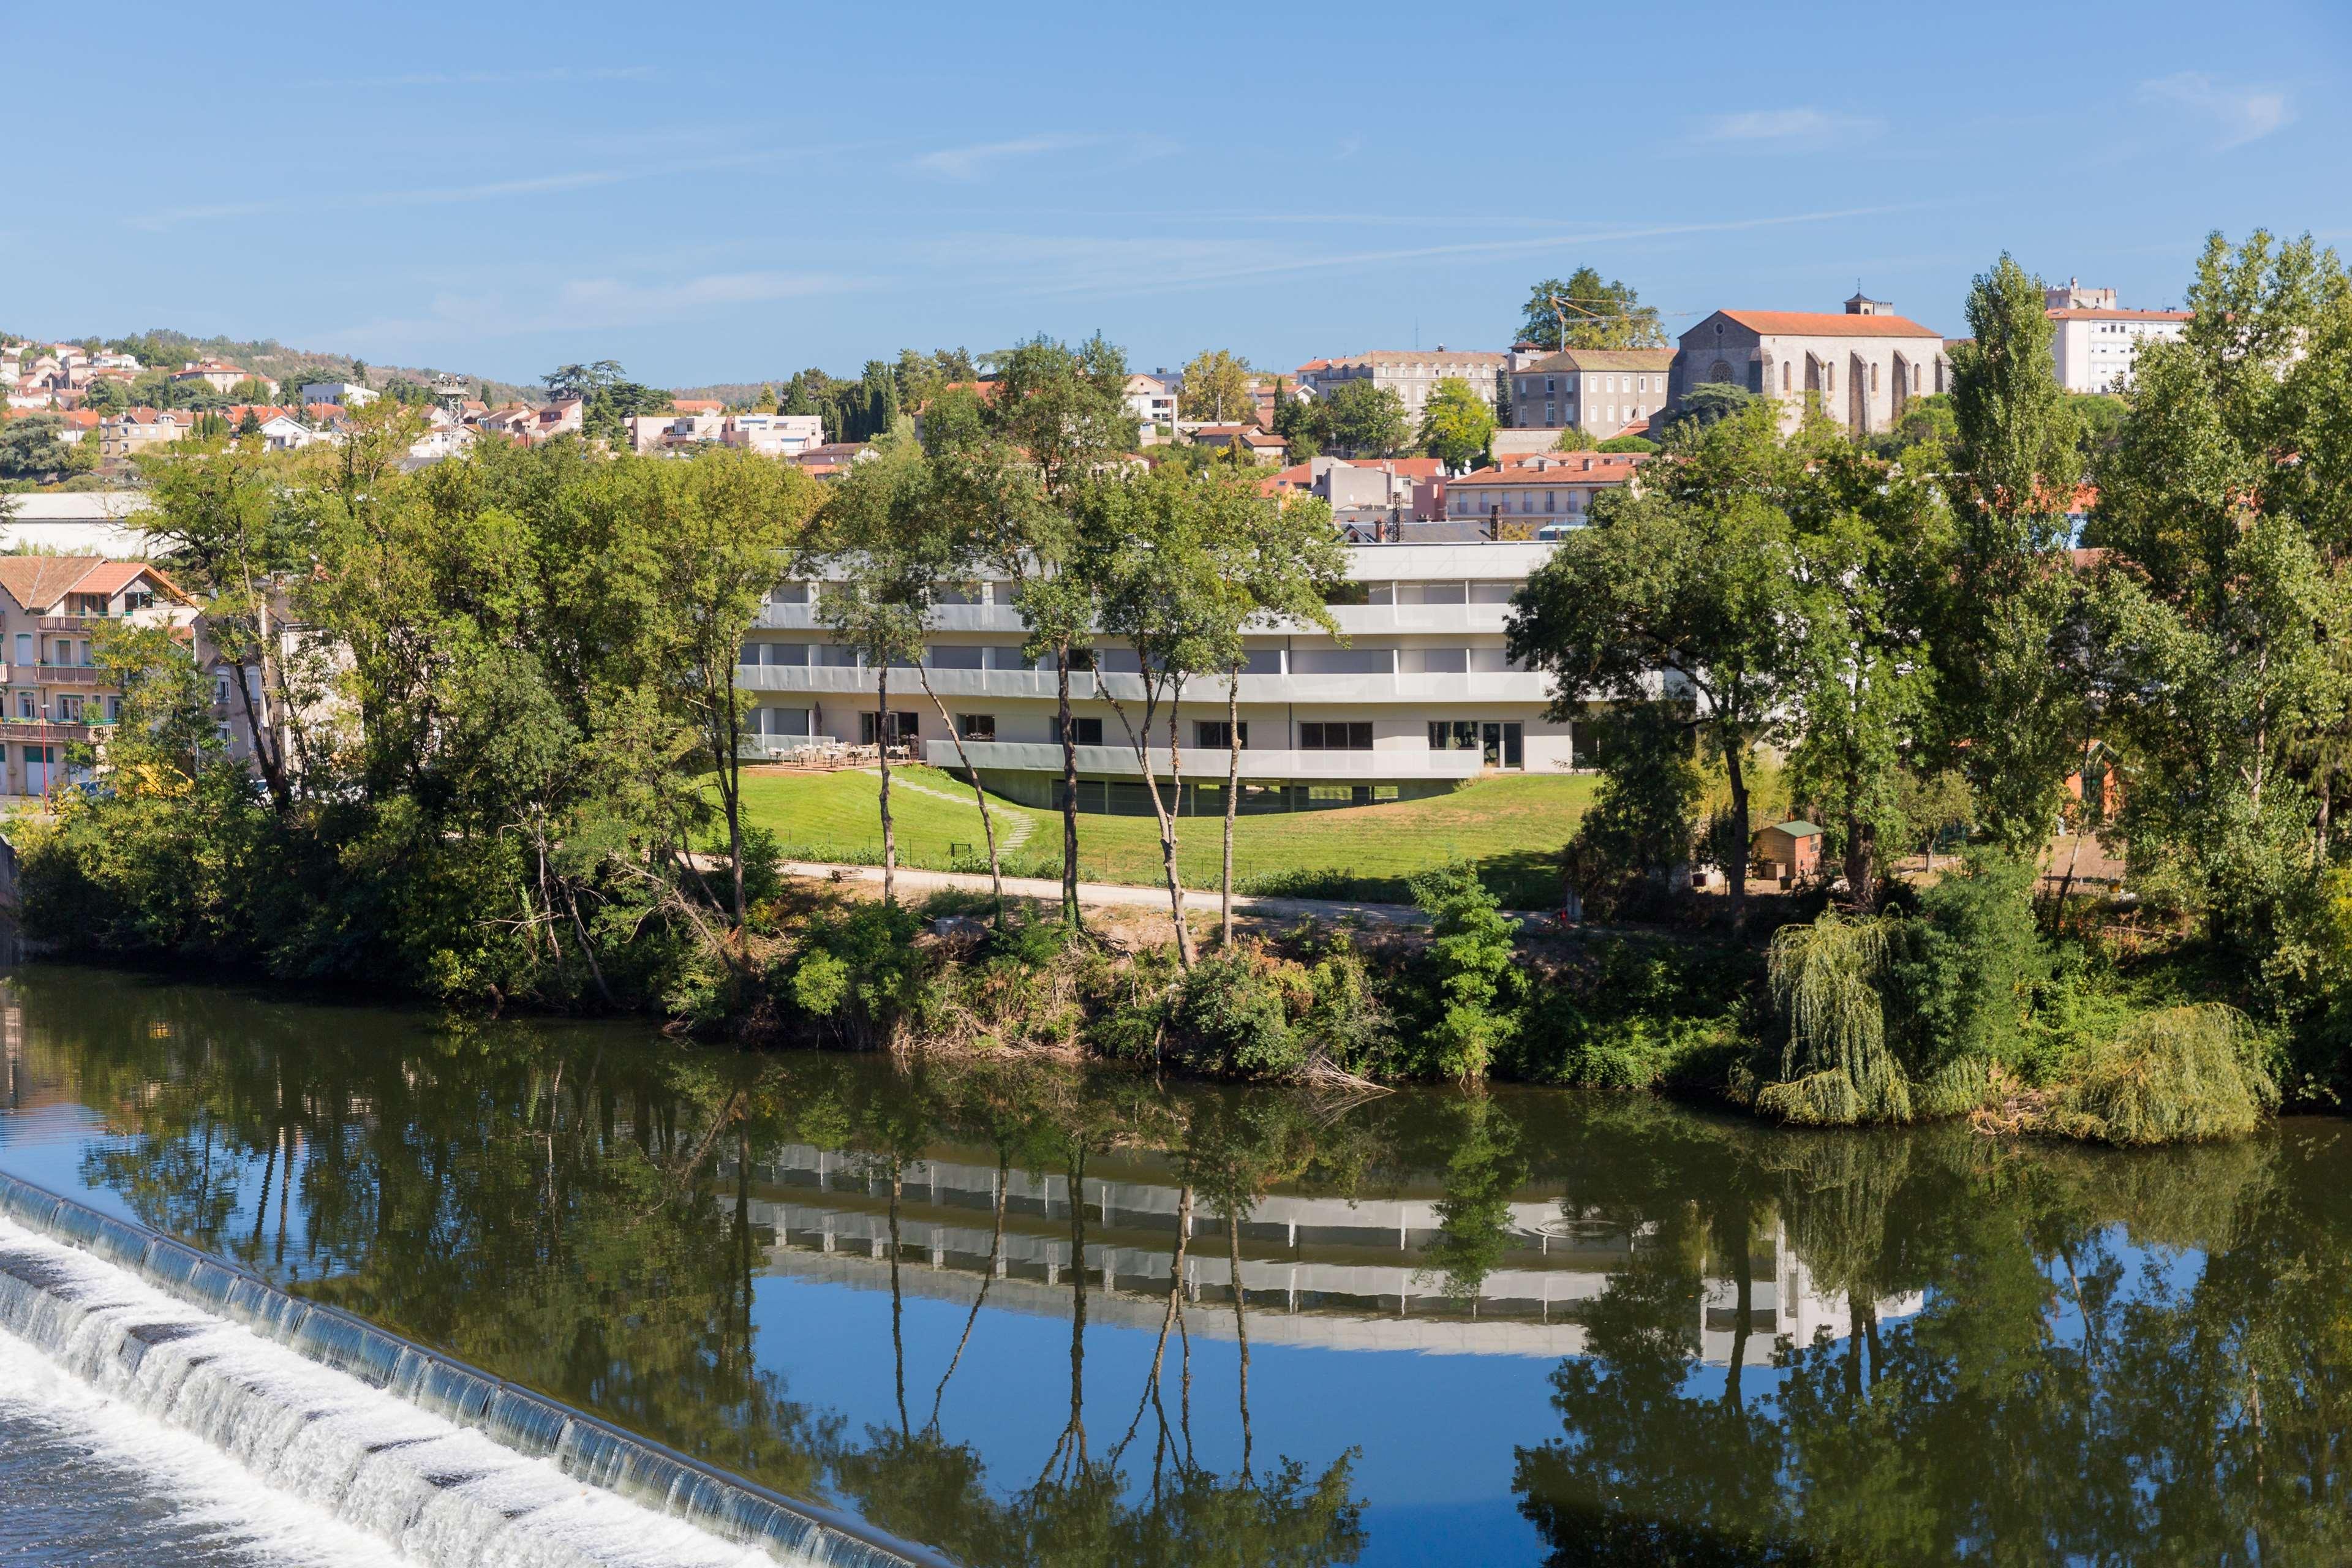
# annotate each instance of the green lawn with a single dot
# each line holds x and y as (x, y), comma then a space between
(1510, 826)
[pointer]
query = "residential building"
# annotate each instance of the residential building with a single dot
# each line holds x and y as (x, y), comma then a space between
(562, 417)
(1600, 391)
(281, 430)
(1522, 498)
(1859, 368)
(1419, 697)
(1411, 373)
(667, 432)
(2095, 340)
(344, 394)
(775, 435)
(698, 405)
(1153, 400)
(220, 376)
(1262, 445)
(123, 436)
(52, 608)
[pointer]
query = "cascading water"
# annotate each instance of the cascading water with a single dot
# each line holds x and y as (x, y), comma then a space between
(448, 1464)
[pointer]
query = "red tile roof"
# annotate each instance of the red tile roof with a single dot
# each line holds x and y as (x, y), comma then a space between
(39, 581)
(1826, 324)
(1558, 468)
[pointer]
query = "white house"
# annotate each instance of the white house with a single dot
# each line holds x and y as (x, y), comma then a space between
(776, 434)
(2095, 341)
(78, 522)
(347, 393)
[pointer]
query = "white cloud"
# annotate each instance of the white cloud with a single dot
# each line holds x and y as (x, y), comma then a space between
(2239, 114)
(968, 163)
(1777, 129)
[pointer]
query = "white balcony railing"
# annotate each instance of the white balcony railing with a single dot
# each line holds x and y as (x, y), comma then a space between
(1510, 686)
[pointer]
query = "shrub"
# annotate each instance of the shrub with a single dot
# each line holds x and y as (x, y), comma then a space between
(1234, 1015)
(1473, 988)
(860, 971)
(1637, 1017)
(2182, 1075)
(1964, 974)
(1835, 1067)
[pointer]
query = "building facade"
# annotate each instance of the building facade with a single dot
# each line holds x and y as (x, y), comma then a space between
(1411, 373)
(1520, 498)
(1859, 368)
(1600, 391)
(52, 611)
(2095, 341)
(1419, 698)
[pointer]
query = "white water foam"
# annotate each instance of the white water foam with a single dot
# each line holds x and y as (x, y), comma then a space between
(378, 1479)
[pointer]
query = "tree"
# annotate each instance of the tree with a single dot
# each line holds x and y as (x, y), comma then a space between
(1278, 559)
(723, 527)
(30, 447)
(1710, 400)
(1061, 413)
(1365, 421)
(1217, 389)
(1150, 547)
(2010, 684)
(1457, 423)
(1686, 593)
(882, 582)
(2222, 612)
(1583, 313)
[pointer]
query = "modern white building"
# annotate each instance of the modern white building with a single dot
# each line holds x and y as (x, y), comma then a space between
(1420, 699)
(76, 522)
(349, 394)
(2095, 341)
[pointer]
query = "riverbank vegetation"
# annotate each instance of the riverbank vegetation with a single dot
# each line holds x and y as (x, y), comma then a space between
(499, 743)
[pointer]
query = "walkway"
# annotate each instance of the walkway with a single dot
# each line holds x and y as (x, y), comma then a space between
(1105, 895)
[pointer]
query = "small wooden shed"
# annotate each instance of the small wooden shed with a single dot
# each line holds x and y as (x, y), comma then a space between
(1787, 852)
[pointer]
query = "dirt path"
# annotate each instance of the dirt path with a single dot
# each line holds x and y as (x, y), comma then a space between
(1016, 828)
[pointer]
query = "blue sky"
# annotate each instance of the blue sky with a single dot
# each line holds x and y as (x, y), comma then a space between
(721, 194)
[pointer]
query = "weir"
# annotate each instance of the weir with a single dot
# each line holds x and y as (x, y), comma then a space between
(446, 1462)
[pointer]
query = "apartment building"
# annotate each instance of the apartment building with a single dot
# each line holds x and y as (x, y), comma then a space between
(1411, 373)
(1859, 368)
(1419, 697)
(2095, 340)
(1152, 399)
(123, 436)
(1600, 391)
(52, 608)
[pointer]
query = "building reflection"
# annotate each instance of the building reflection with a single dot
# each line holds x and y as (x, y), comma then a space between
(1327, 1272)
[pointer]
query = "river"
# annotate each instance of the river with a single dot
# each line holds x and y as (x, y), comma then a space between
(991, 1306)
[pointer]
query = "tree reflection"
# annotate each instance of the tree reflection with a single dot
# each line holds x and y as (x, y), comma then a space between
(2023, 1355)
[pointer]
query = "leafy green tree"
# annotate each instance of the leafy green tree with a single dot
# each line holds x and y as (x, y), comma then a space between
(1059, 416)
(1713, 400)
(1217, 388)
(880, 599)
(30, 447)
(1583, 313)
(1278, 560)
(1457, 425)
(2010, 683)
(1692, 583)
(1364, 421)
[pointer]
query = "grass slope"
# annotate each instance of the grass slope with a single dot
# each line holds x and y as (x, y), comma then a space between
(1510, 826)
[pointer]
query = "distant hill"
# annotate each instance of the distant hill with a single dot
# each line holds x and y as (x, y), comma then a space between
(167, 348)
(732, 392)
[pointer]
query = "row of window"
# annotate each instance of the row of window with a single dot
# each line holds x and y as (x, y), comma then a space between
(1503, 741)
(63, 651)
(1357, 660)
(1600, 384)
(68, 707)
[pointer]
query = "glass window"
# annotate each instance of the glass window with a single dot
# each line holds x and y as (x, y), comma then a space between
(976, 726)
(1216, 735)
(789, 593)
(1084, 732)
(1350, 736)
(945, 655)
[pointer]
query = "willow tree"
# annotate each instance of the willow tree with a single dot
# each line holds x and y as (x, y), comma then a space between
(1835, 1066)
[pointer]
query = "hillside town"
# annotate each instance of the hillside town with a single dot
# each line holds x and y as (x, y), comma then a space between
(1550, 429)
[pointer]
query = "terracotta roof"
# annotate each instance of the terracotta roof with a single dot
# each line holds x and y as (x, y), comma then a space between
(1556, 469)
(2084, 313)
(39, 581)
(698, 405)
(1824, 324)
(1573, 360)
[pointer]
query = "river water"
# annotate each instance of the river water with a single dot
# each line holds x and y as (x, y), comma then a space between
(992, 1308)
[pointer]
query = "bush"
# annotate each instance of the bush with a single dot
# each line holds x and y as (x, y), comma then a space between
(1963, 976)
(2182, 1074)
(1471, 989)
(1638, 1017)
(860, 972)
(1234, 1013)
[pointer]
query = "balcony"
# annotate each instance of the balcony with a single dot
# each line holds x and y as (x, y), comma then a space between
(1511, 686)
(49, 732)
(59, 674)
(1209, 766)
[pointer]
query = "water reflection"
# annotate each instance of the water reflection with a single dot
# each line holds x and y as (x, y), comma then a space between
(1757, 1346)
